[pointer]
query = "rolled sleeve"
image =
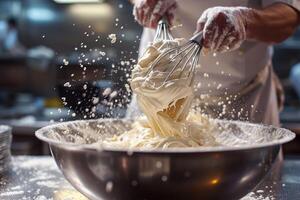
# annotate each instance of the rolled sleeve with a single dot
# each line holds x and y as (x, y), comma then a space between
(293, 3)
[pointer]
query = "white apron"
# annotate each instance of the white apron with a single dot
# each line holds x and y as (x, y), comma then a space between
(243, 79)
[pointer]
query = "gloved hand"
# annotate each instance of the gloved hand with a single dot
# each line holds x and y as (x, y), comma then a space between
(224, 28)
(149, 12)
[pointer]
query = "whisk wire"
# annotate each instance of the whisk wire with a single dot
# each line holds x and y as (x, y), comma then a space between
(187, 61)
(184, 58)
(175, 66)
(194, 65)
(183, 48)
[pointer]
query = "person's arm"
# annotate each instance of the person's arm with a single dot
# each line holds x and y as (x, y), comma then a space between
(225, 28)
(148, 12)
(272, 24)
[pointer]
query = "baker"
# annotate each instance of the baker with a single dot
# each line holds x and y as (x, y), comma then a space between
(235, 79)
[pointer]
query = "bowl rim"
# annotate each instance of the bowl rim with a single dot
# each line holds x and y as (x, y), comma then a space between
(92, 148)
(4, 129)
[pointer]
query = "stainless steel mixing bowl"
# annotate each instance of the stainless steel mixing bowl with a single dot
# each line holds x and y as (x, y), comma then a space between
(200, 173)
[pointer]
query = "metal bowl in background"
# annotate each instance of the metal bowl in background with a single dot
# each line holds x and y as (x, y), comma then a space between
(5, 148)
(198, 173)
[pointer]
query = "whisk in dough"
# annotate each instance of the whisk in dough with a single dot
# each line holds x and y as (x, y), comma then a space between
(163, 83)
(166, 105)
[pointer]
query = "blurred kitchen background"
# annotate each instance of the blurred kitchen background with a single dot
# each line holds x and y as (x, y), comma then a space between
(59, 62)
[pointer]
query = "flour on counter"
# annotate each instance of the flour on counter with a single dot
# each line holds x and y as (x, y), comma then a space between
(257, 196)
(11, 193)
(28, 182)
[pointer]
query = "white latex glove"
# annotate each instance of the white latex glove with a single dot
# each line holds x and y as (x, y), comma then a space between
(224, 28)
(149, 12)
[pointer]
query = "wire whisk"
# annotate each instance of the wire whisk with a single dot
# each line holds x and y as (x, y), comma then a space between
(182, 59)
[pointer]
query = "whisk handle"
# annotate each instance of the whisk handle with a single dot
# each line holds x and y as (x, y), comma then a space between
(162, 30)
(163, 20)
(197, 38)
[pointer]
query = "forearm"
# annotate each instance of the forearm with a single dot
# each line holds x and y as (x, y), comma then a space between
(272, 24)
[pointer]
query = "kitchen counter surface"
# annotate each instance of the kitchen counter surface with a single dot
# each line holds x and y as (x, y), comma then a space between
(38, 178)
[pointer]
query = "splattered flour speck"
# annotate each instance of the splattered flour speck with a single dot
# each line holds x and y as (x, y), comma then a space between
(67, 84)
(113, 38)
(109, 186)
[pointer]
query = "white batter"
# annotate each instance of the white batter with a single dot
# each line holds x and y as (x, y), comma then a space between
(166, 105)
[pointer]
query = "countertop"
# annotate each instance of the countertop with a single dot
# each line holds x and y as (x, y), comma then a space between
(38, 178)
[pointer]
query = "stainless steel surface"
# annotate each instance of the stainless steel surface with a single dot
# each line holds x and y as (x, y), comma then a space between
(203, 173)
